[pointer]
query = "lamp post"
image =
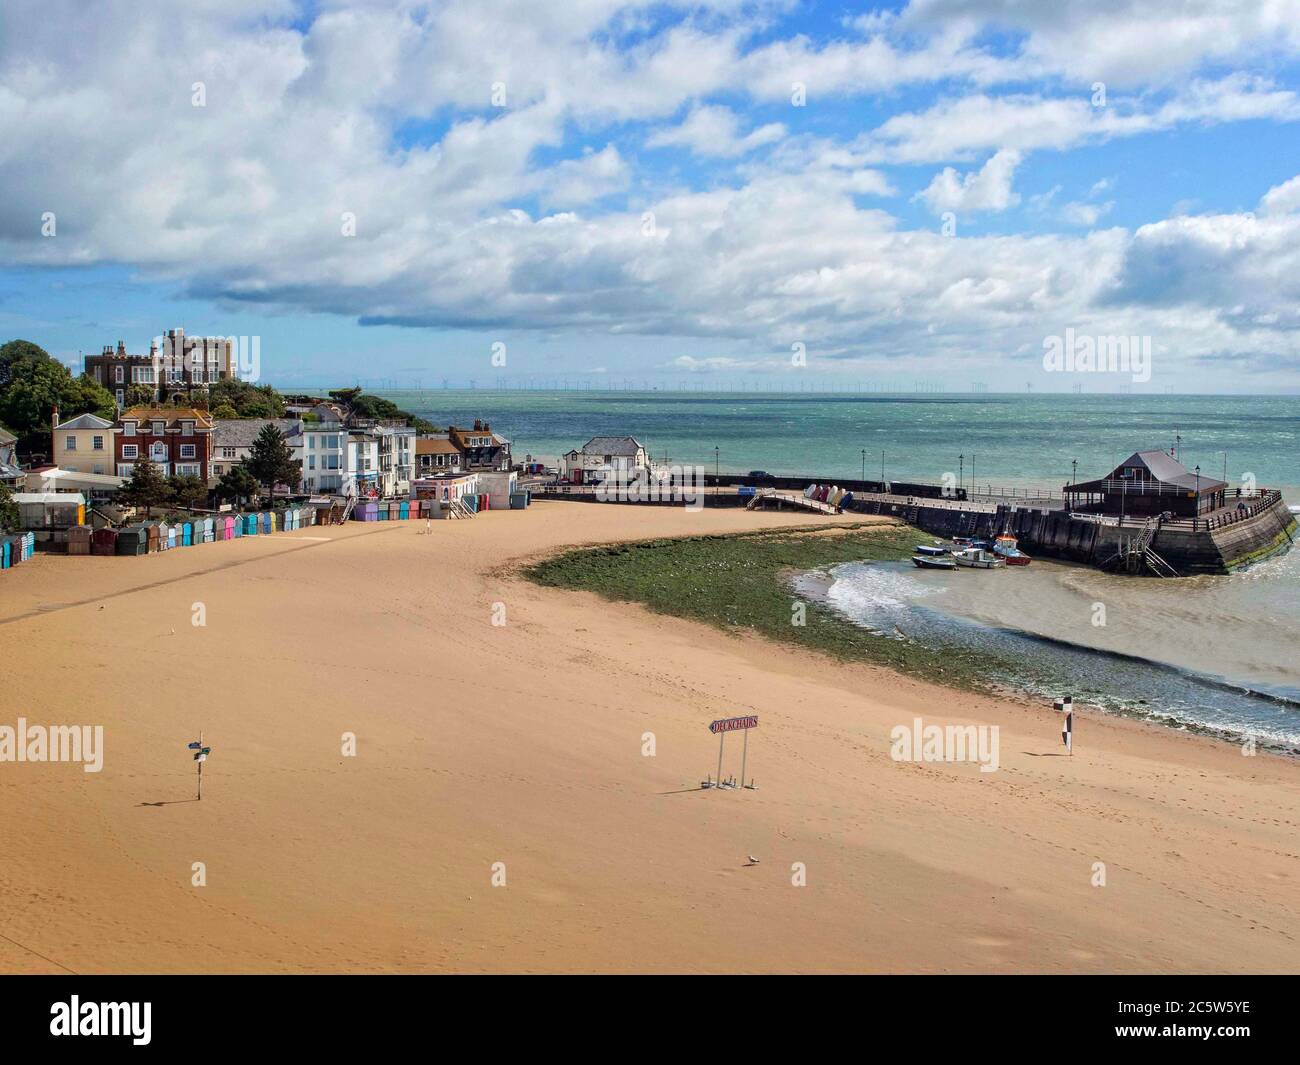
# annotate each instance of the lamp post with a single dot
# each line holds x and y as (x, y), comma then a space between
(715, 463)
(864, 464)
(961, 472)
(882, 469)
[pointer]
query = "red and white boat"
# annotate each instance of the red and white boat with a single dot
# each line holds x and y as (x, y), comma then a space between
(1006, 546)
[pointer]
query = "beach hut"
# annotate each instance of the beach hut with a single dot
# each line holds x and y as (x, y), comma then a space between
(209, 530)
(518, 500)
(250, 524)
(29, 545)
(79, 540)
(229, 525)
(380, 511)
(187, 534)
(132, 540)
(6, 553)
(264, 523)
(404, 510)
(104, 542)
(174, 534)
(238, 528)
(152, 530)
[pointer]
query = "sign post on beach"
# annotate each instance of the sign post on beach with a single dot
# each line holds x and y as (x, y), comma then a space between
(1066, 706)
(730, 724)
(200, 756)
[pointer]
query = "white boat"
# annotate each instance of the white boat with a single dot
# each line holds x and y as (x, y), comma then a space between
(977, 558)
(932, 562)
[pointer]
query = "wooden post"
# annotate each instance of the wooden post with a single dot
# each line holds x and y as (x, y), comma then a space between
(200, 761)
(744, 753)
(722, 737)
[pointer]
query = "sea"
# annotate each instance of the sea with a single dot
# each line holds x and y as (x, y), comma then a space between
(1213, 654)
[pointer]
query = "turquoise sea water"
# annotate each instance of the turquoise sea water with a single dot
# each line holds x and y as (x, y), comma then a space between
(1008, 439)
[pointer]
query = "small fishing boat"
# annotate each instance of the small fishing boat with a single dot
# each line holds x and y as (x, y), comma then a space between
(925, 549)
(978, 558)
(933, 562)
(1006, 546)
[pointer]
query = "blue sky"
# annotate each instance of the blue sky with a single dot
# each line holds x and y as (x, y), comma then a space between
(727, 192)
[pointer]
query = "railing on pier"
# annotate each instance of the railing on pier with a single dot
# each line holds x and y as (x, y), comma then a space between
(1260, 501)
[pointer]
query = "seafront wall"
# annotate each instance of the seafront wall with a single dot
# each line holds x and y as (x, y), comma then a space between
(1056, 534)
(1041, 530)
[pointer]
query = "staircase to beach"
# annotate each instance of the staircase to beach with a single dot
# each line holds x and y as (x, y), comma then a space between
(1137, 554)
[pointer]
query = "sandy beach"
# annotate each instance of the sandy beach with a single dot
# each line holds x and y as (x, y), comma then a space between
(522, 744)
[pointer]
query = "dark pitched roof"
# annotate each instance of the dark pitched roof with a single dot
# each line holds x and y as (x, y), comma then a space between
(241, 432)
(85, 421)
(1160, 467)
(612, 445)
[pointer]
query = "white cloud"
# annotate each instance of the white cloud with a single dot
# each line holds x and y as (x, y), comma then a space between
(1282, 199)
(1079, 213)
(988, 189)
(472, 216)
(713, 130)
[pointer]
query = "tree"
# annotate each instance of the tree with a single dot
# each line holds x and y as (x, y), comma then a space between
(271, 460)
(10, 519)
(248, 400)
(145, 488)
(140, 396)
(224, 412)
(187, 491)
(237, 484)
(32, 384)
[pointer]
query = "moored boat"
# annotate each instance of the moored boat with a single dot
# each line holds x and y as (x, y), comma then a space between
(933, 562)
(977, 558)
(1007, 547)
(925, 549)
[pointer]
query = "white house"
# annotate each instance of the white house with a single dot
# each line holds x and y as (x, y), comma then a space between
(324, 449)
(601, 456)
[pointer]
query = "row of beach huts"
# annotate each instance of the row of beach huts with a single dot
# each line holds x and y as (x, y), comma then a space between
(16, 549)
(148, 537)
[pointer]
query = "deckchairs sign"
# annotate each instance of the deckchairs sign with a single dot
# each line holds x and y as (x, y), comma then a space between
(731, 724)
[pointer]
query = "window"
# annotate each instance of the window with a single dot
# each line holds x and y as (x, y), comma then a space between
(121, 397)
(118, 375)
(98, 468)
(187, 428)
(218, 470)
(311, 462)
(130, 451)
(70, 443)
(187, 451)
(158, 452)
(97, 443)
(187, 469)
(128, 427)
(124, 469)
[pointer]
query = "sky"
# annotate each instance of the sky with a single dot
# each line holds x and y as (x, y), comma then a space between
(934, 193)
